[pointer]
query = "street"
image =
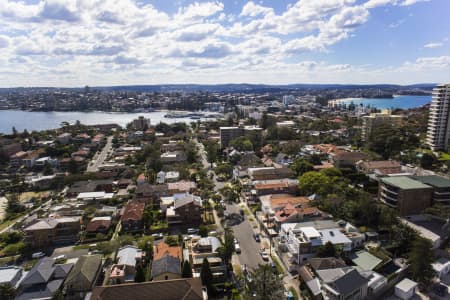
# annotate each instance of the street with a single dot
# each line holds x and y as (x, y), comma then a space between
(100, 157)
(249, 247)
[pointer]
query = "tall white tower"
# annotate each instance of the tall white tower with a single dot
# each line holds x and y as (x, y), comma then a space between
(439, 118)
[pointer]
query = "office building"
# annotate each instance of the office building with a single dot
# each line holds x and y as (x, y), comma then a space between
(438, 121)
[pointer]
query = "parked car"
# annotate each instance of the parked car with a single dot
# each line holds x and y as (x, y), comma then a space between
(192, 230)
(60, 258)
(264, 254)
(37, 255)
(256, 237)
(237, 248)
(157, 236)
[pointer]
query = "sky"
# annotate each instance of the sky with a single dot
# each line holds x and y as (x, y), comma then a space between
(71, 43)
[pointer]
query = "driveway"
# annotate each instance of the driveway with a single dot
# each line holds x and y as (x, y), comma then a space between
(69, 252)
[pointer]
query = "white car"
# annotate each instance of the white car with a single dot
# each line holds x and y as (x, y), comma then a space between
(38, 255)
(264, 254)
(237, 248)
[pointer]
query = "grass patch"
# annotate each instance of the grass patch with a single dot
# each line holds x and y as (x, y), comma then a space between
(444, 156)
(81, 247)
(280, 269)
(9, 222)
(380, 253)
(8, 259)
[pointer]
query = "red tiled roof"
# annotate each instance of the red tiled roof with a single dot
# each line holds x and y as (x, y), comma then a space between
(133, 210)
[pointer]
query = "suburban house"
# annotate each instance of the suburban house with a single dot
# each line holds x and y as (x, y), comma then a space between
(379, 167)
(166, 268)
(207, 247)
(275, 186)
(83, 276)
(303, 239)
(186, 209)
(344, 159)
(150, 193)
(11, 275)
(269, 173)
(283, 208)
(162, 249)
(182, 186)
(185, 288)
(104, 185)
(125, 268)
(343, 283)
(173, 157)
(99, 225)
(53, 231)
(43, 280)
(131, 217)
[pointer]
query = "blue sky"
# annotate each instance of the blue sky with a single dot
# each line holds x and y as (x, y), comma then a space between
(110, 42)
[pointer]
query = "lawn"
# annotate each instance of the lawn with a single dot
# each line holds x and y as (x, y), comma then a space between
(444, 156)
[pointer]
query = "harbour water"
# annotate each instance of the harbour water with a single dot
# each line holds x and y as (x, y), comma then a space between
(400, 101)
(31, 120)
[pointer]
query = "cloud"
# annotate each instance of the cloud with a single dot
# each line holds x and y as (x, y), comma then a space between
(196, 32)
(251, 9)
(4, 41)
(377, 3)
(198, 10)
(397, 23)
(433, 45)
(59, 10)
(218, 50)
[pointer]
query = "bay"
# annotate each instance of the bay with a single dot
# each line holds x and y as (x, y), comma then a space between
(399, 101)
(37, 121)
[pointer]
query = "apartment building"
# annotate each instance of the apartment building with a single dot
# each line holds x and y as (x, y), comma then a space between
(376, 119)
(438, 122)
(227, 134)
(53, 231)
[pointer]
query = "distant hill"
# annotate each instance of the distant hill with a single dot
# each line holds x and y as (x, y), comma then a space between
(241, 87)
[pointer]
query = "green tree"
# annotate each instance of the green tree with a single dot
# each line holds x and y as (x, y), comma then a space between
(327, 250)
(48, 170)
(146, 244)
(332, 172)
(226, 250)
(211, 151)
(265, 285)
(420, 258)
(314, 183)
(242, 143)
(203, 231)
(186, 270)
(171, 241)
(140, 274)
(206, 274)
(427, 160)
(7, 292)
(301, 166)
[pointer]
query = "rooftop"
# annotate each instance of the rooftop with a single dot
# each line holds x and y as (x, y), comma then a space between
(405, 182)
(434, 180)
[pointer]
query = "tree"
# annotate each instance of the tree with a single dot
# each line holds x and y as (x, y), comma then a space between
(47, 169)
(203, 230)
(7, 292)
(171, 241)
(327, 250)
(265, 285)
(206, 273)
(226, 250)
(300, 166)
(314, 183)
(420, 258)
(140, 274)
(242, 143)
(186, 270)
(211, 151)
(427, 160)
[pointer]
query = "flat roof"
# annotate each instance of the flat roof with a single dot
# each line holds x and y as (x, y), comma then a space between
(434, 180)
(406, 285)
(405, 182)
(365, 260)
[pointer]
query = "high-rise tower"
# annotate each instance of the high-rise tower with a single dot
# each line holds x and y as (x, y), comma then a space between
(439, 118)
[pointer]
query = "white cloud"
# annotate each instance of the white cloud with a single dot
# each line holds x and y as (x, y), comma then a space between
(433, 45)
(377, 3)
(251, 9)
